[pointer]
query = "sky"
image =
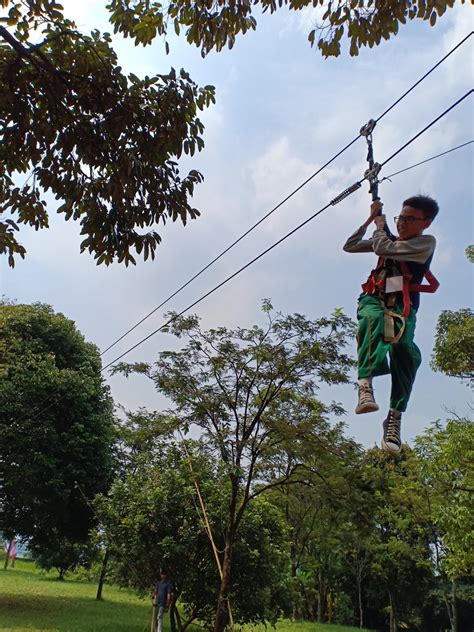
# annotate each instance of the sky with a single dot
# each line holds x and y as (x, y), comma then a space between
(282, 111)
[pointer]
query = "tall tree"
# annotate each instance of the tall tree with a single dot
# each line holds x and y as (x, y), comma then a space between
(251, 392)
(55, 427)
(152, 518)
(446, 462)
(401, 557)
(103, 143)
(316, 511)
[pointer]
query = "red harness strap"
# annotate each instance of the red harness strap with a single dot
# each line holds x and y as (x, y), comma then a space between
(376, 283)
(433, 284)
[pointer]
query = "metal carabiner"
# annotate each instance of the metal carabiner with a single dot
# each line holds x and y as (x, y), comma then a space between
(374, 167)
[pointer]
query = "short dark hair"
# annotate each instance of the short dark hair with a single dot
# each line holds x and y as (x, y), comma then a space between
(423, 203)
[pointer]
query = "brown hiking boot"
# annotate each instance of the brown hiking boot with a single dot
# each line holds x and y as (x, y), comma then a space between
(366, 402)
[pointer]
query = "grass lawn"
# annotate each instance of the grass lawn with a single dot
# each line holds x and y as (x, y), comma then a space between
(34, 601)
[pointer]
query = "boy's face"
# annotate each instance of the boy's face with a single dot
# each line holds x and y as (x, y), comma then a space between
(411, 222)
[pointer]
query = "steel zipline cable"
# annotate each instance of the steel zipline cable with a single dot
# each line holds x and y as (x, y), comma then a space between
(468, 93)
(280, 204)
(351, 189)
(422, 162)
(336, 200)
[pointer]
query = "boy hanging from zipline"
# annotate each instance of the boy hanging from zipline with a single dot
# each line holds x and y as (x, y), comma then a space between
(387, 307)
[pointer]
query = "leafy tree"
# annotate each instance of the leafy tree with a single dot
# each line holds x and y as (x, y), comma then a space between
(315, 510)
(63, 555)
(152, 519)
(401, 566)
(250, 392)
(55, 427)
(103, 143)
(446, 462)
(213, 25)
(453, 352)
(470, 253)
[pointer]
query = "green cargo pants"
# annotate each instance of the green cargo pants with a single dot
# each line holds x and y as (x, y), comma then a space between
(372, 350)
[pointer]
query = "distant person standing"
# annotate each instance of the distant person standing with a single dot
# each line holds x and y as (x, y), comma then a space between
(162, 600)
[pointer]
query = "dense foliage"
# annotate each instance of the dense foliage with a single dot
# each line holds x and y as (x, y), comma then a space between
(153, 520)
(216, 23)
(106, 144)
(372, 540)
(251, 393)
(103, 143)
(303, 521)
(453, 352)
(362, 539)
(55, 428)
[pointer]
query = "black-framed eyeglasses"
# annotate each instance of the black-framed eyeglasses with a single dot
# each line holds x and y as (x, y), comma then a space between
(408, 219)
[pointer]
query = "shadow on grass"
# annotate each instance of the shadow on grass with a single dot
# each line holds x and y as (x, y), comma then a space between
(63, 614)
(18, 572)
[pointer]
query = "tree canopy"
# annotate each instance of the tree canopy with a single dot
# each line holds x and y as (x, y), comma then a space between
(55, 427)
(453, 352)
(215, 24)
(151, 519)
(360, 537)
(105, 144)
(252, 393)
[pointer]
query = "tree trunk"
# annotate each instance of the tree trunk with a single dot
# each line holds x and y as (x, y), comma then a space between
(321, 595)
(359, 597)
(173, 612)
(454, 607)
(330, 607)
(393, 614)
(10, 544)
(294, 608)
(222, 613)
(450, 599)
(103, 572)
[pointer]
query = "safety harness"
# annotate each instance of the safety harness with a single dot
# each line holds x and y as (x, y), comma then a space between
(391, 279)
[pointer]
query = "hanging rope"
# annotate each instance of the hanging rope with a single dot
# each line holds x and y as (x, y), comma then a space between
(205, 520)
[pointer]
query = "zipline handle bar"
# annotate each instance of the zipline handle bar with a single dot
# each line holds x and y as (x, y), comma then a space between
(374, 167)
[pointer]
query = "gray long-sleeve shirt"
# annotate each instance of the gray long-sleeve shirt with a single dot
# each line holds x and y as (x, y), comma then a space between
(417, 249)
(416, 252)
